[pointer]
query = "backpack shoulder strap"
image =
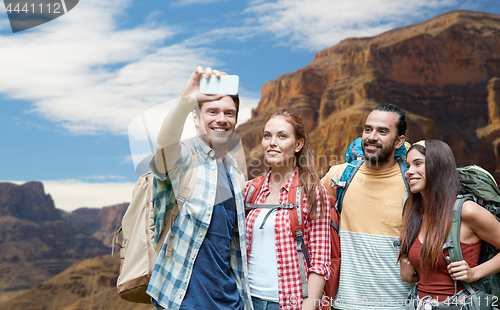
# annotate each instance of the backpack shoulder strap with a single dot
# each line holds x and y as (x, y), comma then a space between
(453, 243)
(295, 198)
(402, 166)
(186, 191)
(345, 181)
(334, 216)
(254, 189)
(297, 227)
(453, 238)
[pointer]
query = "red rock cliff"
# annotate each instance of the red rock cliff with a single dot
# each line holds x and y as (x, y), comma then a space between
(443, 72)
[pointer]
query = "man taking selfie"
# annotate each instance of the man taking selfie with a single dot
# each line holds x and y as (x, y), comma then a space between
(207, 265)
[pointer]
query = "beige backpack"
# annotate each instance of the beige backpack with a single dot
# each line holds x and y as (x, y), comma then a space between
(137, 251)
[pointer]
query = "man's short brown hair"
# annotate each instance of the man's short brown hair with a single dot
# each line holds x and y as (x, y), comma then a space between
(236, 100)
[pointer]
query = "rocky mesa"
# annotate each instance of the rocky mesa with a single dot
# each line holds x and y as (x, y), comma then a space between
(102, 223)
(90, 284)
(444, 72)
(36, 242)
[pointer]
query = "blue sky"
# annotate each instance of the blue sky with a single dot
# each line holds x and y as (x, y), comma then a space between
(70, 88)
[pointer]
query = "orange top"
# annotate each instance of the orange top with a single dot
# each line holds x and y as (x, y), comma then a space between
(438, 282)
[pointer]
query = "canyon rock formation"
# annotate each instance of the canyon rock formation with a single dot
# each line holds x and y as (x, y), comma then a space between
(102, 223)
(443, 72)
(35, 242)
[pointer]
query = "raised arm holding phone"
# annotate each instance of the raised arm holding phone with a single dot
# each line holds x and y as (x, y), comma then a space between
(170, 133)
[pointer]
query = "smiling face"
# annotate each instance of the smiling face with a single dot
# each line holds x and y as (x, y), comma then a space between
(279, 143)
(216, 122)
(415, 161)
(380, 139)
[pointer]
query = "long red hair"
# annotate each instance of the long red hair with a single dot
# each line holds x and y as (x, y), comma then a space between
(304, 160)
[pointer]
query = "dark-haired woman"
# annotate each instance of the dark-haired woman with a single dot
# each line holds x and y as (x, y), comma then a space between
(434, 186)
(274, 273)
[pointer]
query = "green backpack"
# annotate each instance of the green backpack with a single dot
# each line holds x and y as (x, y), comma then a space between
(480, 186)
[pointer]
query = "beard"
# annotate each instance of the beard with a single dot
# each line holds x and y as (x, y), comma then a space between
(382, 157)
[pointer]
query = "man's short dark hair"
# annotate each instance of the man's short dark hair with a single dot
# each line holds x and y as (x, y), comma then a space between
(389, 107)
(236, 100)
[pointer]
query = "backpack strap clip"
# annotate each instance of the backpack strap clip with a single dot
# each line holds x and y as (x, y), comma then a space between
(272, 208)
(345, 180)
(336, 182)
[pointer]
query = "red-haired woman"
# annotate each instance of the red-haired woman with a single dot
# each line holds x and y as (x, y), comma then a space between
(273, 260)
(434, 186)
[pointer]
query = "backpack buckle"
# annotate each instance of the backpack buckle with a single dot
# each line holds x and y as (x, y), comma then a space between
(337, 183)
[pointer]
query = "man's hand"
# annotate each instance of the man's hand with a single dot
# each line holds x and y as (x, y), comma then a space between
(193, 84)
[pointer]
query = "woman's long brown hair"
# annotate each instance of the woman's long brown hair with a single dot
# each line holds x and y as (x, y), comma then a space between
(434, 210)
(305, 161)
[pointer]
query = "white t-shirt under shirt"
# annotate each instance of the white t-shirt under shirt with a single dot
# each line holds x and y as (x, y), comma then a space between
(262, 262)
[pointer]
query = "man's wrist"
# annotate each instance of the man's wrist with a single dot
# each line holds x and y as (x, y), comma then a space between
(188, 100)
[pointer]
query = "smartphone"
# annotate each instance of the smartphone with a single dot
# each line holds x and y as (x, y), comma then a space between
(226, 84)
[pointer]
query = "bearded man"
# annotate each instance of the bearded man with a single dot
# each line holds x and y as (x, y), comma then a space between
(371, 217)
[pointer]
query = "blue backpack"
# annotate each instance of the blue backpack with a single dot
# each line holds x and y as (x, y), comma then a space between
(354, 158)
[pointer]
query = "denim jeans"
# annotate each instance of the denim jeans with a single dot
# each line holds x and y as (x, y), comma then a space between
(261, 304)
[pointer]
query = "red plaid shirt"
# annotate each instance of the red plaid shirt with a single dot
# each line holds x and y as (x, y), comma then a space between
(316, 238)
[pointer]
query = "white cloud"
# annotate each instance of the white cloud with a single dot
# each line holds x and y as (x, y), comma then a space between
(191, 2)
(113, 103)
(86, 75)
(104, 177)
(317, 24)
(243, 33)
(69, 195)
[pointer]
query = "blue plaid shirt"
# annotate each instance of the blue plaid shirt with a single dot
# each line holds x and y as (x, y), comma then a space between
(171, 275)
